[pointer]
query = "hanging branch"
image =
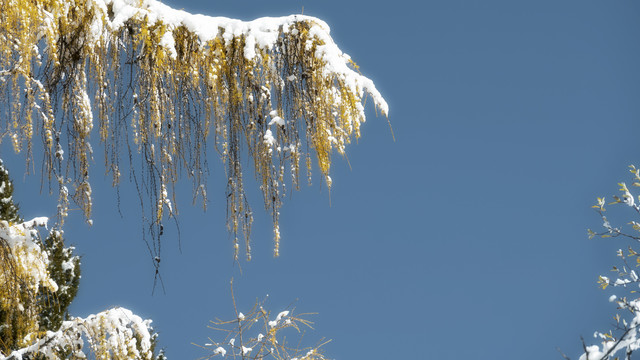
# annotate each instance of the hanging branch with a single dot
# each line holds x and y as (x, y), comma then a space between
(166, 87)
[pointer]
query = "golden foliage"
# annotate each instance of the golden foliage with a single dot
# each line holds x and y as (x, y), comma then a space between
(19, 319)
(170, 95)
(23, 276)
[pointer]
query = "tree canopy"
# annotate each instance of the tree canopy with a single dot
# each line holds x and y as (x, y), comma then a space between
(164, 89)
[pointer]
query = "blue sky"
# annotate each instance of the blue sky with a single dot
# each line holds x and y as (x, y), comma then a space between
(466, 236)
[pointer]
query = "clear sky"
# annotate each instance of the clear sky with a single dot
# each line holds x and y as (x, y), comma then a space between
(464, 238)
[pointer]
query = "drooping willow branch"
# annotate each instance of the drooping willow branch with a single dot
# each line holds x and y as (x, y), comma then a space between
(167, 88)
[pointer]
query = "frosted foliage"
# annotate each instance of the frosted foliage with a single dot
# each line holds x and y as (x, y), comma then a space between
(259, 335)
(29, 259)
(626, 343)
(173, 88)
(112, 334)
(24, 279)
(624, 338)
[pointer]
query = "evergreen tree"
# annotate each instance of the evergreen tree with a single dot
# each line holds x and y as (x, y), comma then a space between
(38, 282)
(64, 269)
(50, 308)
(8, 208)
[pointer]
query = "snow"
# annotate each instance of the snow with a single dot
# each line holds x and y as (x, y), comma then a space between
(59, 152)
(629, 340)
(277, 120)
(282, 314)
(22, 240)
(38, 221)
(169, 43)
(621, 282)
(261, 33)
(126, 334)
(117, 332)
(269, 140)
(69, 265)
(593, 353)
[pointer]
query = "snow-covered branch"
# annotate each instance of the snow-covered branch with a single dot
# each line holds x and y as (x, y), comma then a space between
(257, 334)
(167, 85)
(624, 338)
(112, 334)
